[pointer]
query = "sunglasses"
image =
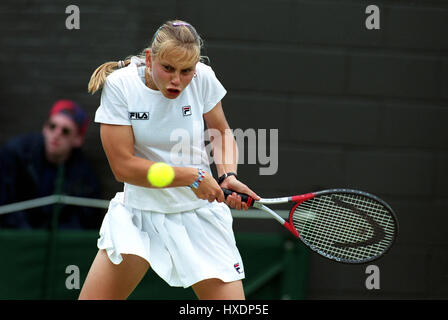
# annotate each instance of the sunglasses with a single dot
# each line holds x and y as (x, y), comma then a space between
(64, 130)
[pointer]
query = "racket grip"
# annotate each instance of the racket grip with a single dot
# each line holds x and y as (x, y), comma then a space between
(244, 197)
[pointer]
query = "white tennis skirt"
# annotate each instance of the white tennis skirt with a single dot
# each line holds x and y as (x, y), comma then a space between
(182, 248)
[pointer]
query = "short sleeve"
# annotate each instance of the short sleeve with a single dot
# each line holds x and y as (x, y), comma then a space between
(212, 89)
(113, 107)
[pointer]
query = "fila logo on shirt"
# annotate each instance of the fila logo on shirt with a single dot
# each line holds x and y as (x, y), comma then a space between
(138, 115)
(186, 111)
(237, 267)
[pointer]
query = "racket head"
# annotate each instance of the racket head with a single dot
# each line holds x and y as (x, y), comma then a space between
(345, 225)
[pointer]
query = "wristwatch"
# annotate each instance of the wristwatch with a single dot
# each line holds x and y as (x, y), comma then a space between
(225, 175)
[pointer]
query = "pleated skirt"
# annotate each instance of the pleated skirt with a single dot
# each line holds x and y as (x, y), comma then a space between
(182, 248)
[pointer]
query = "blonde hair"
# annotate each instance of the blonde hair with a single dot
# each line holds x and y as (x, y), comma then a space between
(175, 36)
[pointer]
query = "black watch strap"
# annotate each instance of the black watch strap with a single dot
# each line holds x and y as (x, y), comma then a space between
(225, 175)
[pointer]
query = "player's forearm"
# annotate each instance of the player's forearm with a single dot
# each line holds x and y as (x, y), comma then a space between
(225, 152)
(134, 171)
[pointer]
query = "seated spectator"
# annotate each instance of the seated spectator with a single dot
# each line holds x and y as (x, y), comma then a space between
(36, 165)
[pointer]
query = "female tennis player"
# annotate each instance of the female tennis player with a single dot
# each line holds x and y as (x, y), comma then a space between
(184, 231)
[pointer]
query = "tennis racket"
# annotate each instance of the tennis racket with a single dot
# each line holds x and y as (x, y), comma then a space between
(343, 225)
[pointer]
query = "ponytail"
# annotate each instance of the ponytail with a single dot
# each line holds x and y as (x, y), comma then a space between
(100, 74)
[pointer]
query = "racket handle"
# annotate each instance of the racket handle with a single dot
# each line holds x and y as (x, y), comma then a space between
(244, 197)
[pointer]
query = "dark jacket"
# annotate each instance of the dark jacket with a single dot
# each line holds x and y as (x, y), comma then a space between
(26, 174)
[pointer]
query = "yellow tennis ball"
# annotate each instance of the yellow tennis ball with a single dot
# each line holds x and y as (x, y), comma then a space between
(160, 174)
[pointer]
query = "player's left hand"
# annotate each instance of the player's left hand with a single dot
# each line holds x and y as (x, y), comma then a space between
(234, 200)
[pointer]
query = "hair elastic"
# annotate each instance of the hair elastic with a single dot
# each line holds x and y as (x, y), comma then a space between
(121, 64)
(177, 24)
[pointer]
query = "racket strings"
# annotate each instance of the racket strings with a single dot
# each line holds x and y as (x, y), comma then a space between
(332, 234)
(352, 234)
(353, 221)
(339, 231)
(348, 236)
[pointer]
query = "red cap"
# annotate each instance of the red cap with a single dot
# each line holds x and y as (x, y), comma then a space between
(72, 110)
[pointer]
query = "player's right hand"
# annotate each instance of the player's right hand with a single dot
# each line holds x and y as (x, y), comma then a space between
(209, 190)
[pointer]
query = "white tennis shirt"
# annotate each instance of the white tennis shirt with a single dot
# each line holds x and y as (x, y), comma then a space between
(168, 130)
